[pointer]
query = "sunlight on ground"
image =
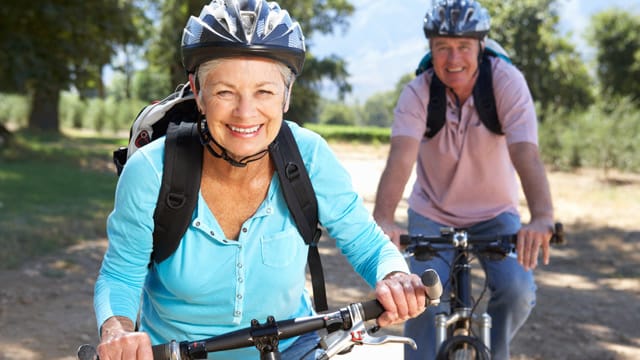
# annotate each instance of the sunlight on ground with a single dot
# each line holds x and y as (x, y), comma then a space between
(618, 284)
(567, 280)
(584, 283)
(603, 332)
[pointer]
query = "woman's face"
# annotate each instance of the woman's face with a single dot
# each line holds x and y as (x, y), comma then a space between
(243, 100)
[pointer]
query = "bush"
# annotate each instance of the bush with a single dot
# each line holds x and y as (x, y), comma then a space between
(361, 134)
(14, 109)
(605, 136)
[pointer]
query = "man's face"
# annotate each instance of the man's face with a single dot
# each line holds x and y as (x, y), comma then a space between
(455, 61)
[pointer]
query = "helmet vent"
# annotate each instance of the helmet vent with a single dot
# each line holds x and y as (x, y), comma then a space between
(248, 19)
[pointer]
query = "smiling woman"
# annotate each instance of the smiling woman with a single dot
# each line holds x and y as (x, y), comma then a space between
(241, 256)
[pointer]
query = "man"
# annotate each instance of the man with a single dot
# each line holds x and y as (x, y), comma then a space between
(466, 173)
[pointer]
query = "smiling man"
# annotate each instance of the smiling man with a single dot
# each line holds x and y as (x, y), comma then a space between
(466, 166)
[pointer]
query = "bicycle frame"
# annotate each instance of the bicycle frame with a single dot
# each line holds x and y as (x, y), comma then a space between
(461, 317)
(456, 328)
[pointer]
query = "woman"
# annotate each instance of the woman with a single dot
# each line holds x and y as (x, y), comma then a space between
(242, 257)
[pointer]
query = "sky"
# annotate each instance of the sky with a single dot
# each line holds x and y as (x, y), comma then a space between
(385, 40)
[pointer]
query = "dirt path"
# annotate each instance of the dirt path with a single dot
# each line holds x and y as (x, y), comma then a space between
(588, 300)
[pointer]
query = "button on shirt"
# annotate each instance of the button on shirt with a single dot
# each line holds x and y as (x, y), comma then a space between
(464, 173)
(212, 285)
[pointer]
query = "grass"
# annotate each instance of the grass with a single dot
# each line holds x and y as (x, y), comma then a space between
(55, 190)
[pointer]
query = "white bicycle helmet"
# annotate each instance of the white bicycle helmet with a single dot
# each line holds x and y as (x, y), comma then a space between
(457, 18)
(227, 28)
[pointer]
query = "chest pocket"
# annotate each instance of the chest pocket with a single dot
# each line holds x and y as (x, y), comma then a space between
(281, 249)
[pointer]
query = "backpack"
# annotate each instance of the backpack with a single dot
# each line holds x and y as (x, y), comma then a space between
(175, 117)
(482, 92)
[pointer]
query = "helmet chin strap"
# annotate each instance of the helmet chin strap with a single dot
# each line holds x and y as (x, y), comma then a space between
(206, 139)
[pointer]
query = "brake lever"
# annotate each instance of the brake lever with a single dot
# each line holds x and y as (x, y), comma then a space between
(366, 339)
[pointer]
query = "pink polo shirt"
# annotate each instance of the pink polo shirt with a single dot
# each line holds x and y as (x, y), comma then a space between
(464, 173)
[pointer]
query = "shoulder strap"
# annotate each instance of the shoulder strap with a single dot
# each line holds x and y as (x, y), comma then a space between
(436, 110)
(301, 200)
(179, 190)
(484, 99)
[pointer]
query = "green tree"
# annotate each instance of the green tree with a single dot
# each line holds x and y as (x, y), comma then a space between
(527, 29)
(314, 16)
(378, 108)
(337, 113)
(51, 45)
(616, 36)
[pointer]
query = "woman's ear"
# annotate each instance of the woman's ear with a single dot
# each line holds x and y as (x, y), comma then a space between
(287, 99)
(194, 88)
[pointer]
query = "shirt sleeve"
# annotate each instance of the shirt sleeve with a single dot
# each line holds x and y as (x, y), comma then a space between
(129, 230)
(410, 113)
(516, 109)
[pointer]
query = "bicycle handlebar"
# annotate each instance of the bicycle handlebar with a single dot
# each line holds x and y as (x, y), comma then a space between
(460, 238)
(260, 334)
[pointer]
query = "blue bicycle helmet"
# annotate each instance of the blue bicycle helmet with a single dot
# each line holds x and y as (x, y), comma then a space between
(227, 28)
(457, 18)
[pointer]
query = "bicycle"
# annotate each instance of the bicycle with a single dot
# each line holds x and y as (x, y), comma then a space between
(455, 334)
(345, 328)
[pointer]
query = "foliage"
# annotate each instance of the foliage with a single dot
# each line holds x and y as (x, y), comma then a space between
(348, 133)
(604, 136)
(101, 115)
(616, 36)
(14, 109)
(338, 113)
(49, 46)
(554, 71)
(378, 109)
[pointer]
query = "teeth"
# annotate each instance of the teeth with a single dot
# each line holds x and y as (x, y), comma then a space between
(454, 69)
(245, 130)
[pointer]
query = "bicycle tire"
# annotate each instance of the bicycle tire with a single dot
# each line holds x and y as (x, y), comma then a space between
(462, 347)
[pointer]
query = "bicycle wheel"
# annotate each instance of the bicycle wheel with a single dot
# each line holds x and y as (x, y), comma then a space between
(463, 348)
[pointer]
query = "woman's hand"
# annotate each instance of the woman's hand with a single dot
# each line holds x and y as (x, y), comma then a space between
(402, 295)
(119, 341)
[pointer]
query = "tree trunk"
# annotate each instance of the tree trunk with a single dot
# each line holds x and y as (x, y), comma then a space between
(44, 109)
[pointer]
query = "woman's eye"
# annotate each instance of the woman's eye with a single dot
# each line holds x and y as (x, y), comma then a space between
(265, 92)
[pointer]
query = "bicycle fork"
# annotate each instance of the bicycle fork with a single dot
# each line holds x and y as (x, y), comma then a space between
(461, 314)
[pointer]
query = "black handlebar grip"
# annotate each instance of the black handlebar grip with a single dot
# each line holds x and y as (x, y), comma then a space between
(558, 235)
(161, 352)
(372, 309)
(405, 239)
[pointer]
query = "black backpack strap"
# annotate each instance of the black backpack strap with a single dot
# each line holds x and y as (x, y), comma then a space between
(436, 110)
(484, 98)
(302, 203)
(179, 190)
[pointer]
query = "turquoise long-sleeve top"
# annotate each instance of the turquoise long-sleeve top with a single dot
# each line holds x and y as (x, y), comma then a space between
(212, 285)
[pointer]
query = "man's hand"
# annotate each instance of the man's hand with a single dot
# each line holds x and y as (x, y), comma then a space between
(531, 238)
(393, 231)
